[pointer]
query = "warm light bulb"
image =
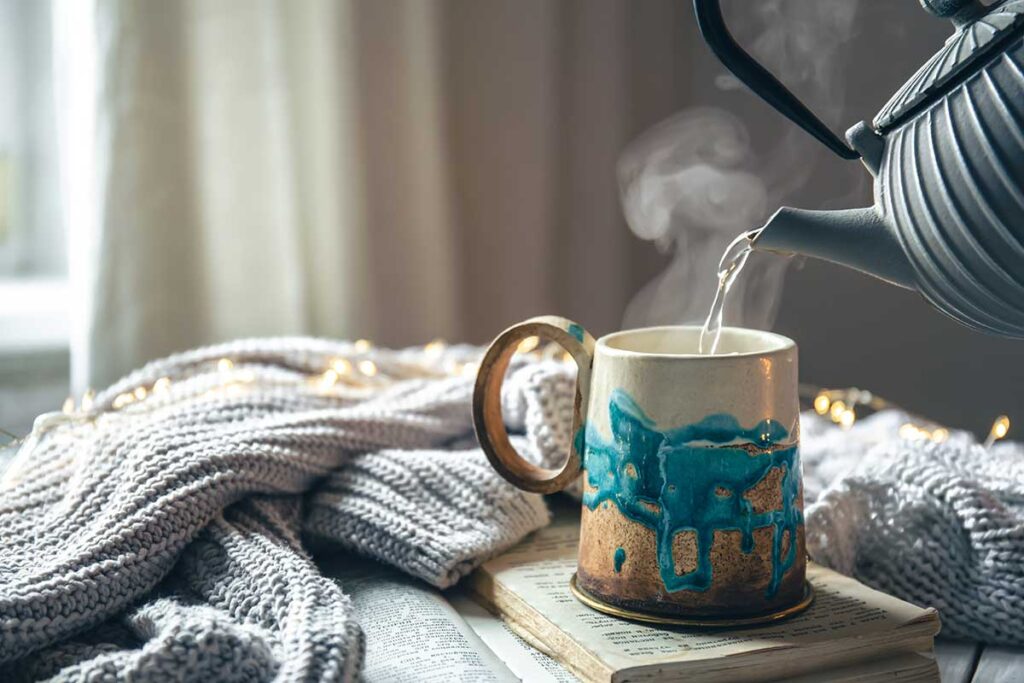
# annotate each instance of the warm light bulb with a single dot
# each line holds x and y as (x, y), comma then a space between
(69, 405)
(435, 348)
(821, 404)
(162, 385)
(1000, 428)
(837, 410)
(362, 345)
(909, 431)
(329, 378)
(342, 366)
(940, 435)
(368, 368)
(528, 344)
(140, 393)
(123, 399)
(847, 418)
(87, 400)
(225, 365)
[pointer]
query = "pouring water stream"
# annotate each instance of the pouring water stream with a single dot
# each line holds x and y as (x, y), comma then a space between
(729, 267)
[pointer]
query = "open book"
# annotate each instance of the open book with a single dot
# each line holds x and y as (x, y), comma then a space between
(417, 633)
(850, 632)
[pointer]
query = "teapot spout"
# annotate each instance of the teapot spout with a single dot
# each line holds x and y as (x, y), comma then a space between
(856, 238)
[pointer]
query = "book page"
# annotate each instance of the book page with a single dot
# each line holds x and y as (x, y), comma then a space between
(539, 569)
(412, 633)
(525, 661)
(905, 667)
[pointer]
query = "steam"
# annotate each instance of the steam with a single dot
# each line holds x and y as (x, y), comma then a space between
(693, 182)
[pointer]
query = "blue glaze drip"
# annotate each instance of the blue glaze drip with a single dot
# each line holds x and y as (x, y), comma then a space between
(580, 440)
(693, 478)
(620, 557)
(576, 331)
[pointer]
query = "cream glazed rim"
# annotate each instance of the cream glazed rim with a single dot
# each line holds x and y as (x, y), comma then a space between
(770, 344)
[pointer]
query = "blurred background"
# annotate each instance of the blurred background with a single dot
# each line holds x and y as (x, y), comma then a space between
(177, 173)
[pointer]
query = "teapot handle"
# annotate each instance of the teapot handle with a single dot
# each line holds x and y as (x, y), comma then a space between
(758, 79)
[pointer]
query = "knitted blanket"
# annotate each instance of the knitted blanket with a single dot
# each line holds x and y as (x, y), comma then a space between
(162, 531)
(938, 524)
(157, 534)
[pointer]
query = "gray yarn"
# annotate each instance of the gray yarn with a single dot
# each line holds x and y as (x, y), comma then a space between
(161, 541)
(936, 524)
(243, 603)
(433, 517)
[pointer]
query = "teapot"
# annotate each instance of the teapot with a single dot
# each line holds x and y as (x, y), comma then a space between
(947, 156)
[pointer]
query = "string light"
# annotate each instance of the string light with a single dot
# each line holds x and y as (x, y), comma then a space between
(123, 399)
(528, 344)
(909, 432)
(912, 432)
(435, 348)
(1000, 428)
(838, 404)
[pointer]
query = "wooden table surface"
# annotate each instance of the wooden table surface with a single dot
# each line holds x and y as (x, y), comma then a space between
(976, 663)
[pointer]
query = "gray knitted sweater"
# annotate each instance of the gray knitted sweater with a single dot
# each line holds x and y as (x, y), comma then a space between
(167, 538)
(161, 540)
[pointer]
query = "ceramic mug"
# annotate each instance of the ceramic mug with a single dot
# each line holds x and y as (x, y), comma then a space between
(692, 492)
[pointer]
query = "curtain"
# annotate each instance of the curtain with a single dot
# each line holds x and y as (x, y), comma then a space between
(398, 170)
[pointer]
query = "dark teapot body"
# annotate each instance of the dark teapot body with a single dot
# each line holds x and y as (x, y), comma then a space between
(951, 181)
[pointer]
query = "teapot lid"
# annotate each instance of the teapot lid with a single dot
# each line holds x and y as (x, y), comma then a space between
(980, 30)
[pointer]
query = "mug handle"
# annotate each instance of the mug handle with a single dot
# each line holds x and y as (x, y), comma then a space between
(487, 419)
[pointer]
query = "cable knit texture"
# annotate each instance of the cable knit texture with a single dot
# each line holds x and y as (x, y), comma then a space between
(168, 539)
(935, 524)
(162, 540)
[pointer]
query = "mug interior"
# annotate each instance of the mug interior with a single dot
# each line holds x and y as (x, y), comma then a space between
(684, 340)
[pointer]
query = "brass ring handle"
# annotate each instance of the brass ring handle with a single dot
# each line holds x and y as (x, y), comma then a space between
(487, 419)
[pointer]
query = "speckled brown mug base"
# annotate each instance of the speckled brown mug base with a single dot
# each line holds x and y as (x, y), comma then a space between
(740, 579)
(693, 621)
